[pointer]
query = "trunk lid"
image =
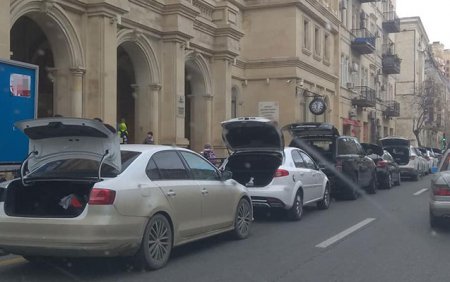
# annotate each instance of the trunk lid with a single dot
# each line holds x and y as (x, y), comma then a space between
(251, 134)
(395, 141)
(311, 129)
(56, 139)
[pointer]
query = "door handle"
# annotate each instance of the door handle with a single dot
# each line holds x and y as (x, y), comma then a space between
(171, 193)
(204, 191)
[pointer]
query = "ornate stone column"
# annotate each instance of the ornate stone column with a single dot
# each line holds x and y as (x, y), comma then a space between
(76, 91)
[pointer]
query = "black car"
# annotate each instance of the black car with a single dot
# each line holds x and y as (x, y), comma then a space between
(388, 171)
(341, 158)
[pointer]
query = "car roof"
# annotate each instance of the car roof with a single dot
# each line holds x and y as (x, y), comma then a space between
(149, 148)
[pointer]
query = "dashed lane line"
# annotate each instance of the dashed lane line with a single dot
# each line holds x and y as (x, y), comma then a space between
(420, 191)
(344, 233)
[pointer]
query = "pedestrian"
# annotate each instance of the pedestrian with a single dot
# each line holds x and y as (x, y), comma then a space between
(123, 131)
(208, 153)
(149, 139)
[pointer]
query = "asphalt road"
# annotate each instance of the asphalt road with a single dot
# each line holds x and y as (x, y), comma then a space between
(382, 237)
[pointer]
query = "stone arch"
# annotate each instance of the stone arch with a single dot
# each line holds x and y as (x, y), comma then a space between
(198, 102)
(56, 13)
(133, 40)
(142, 104)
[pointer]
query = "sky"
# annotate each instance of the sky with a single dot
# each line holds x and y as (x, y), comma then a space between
(435, 16)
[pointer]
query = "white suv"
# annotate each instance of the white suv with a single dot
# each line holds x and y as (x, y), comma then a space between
(405, 155)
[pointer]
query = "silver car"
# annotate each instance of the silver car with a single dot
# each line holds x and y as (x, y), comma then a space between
(86, 196)
(440, 192)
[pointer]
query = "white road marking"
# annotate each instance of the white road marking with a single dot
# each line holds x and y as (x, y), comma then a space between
(420, 191)
(344, 233)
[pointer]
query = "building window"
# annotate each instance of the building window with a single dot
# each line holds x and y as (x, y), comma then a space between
(234, 103)
(326, 49)
(317, 45)
(306, 35)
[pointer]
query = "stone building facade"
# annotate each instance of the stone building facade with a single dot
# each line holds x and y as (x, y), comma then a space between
(369, 69)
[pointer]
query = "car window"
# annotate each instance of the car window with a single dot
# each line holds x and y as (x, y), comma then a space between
(127, 157)
(346, 146)
(170, 166)
(200, 169)
(308, 161)
(359, 148)
(73, 168)
(445, 164)
(298, 160)
(152, 170)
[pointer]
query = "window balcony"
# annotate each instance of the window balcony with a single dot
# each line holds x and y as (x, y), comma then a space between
(363, 41)
(392, 109)
(391, 22)
(365, 97)
(391, 64)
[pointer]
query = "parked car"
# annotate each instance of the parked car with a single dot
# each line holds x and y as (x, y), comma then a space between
(341, 158)
(388, 171)
(276, 177)
(423, 161)
(439, 204)
(85, 197)
(430, 157)
(404, 155)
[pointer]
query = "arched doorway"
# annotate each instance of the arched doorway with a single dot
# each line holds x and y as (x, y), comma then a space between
(197, 120)
(137, 85)
(126, 92)
(30, 44)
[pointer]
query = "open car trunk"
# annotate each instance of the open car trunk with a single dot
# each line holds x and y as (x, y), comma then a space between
(254, 169)
(61, 199)
(399, 153)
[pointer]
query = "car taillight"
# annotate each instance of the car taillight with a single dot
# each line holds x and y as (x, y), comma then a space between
(101, 196)
(412, 158)
(382, 164)
(281, 173)
(339, 165)
(441, 190)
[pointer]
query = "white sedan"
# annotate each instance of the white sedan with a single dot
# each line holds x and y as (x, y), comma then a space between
(86, 196)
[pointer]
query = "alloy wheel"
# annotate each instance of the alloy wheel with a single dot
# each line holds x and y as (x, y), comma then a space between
(244, 219)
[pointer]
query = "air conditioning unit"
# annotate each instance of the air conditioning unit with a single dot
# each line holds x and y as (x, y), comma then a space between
(352, 113)
(350, 85)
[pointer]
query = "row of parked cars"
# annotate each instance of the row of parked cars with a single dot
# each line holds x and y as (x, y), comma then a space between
(81, 193)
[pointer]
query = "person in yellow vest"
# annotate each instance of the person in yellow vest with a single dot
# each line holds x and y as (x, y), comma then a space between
(123, 131)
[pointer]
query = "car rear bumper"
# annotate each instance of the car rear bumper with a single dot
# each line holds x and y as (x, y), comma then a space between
(102, 232)
(272, 196)
(408, 171)
(440, 208)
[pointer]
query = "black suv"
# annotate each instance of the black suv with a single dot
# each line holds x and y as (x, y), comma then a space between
(341, 158)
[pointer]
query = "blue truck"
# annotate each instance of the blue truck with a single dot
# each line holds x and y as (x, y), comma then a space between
(18, 101)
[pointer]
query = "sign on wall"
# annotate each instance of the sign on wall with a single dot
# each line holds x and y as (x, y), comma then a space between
(181, 106)
(269, 110)
(18, 101)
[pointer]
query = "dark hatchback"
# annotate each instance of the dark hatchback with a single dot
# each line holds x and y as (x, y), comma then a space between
(388, 171)
(341, 158)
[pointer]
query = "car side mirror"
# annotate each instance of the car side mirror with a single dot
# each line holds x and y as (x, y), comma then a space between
(226, 174)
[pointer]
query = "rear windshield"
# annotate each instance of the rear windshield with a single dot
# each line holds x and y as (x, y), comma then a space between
(83, 168)
(318, 149)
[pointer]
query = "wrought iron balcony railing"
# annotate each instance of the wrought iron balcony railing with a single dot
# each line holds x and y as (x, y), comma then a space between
(365, 97)
(391, 64)
(391, 22)
(392, 109)
(363, 41)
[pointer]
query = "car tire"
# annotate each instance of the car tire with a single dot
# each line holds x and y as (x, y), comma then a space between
(155, 255)
(399, 180)
(326, 200)
(353, 193)
(296, 211)
(434, 221)
(243, 219)
(389, 183)
(372, 188)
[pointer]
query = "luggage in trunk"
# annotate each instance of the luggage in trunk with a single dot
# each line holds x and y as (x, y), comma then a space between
(400, 154)
(65, 199)
(254, 169)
